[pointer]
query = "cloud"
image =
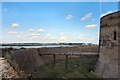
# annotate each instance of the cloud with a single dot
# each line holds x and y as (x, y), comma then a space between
(34, 34)
(48, 35)
(12, 32)
(16, 34)
(62, 33)
(19, 36)
(40, 30)
(108, 12)
(68, 17)
(30, 30)
(15, 25)
(52, 38)
(86, 16)
(91, 26)
(63, 38)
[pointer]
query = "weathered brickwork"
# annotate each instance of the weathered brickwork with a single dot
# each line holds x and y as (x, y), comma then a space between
(107, 65)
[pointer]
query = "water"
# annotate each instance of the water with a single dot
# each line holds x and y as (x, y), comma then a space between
(47, 46)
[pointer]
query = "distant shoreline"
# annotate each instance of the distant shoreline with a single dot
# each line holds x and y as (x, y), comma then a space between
(45, 44)
(23, 45)
(42, 46)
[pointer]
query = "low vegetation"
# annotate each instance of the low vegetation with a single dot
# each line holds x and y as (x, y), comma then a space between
(28, 63)
(77, 68)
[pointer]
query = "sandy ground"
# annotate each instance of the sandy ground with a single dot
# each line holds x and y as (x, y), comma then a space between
(6, 71)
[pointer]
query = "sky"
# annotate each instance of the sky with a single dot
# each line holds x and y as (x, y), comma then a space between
(60, 0)
(53, 22)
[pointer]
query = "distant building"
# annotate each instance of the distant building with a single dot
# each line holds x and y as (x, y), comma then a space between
(107, 65)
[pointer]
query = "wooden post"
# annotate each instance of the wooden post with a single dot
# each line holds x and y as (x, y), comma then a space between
(39, 53)
(66, 62)
(54, 61)
(81, 62)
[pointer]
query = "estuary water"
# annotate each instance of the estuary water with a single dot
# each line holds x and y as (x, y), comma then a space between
(47, 46)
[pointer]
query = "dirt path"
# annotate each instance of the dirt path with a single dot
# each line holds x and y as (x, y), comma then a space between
(6, 71)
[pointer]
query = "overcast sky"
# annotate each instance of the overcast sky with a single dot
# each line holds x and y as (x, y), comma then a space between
(53, 21)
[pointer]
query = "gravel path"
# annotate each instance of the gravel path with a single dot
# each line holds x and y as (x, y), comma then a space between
(6, 71)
